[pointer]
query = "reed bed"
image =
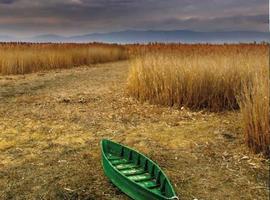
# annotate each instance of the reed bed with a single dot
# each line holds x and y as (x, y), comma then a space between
(22, 58)
(195, 76)
(212, 77)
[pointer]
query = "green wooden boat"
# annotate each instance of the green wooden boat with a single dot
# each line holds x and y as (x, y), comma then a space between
(135, 174)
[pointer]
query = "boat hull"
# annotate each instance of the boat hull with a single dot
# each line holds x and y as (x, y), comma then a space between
(131, 188)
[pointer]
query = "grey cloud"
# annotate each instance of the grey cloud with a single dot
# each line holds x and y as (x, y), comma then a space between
(7, 1)
(83, 16)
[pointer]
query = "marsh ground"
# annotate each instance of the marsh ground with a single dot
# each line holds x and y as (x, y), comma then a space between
(51, 124)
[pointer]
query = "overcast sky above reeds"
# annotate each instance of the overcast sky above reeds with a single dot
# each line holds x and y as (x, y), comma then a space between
(68, 17)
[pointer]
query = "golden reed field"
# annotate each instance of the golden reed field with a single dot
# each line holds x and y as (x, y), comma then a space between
(21, 58)
(199, 76)
(212, 77)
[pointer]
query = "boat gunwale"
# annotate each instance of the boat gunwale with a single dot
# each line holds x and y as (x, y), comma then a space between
(175, 197)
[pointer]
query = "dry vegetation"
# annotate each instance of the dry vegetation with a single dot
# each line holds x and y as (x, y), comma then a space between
(255, 112)
(210, 77)
(51, 122)
(22, 58)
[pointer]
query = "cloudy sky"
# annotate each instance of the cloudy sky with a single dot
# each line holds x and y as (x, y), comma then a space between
(69, 17)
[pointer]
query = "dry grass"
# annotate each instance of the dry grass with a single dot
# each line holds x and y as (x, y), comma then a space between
(197, 77)
(254, 105)
(21, 58)
(209, 77)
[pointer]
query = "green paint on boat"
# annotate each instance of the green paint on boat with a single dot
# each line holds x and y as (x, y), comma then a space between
(135, 174)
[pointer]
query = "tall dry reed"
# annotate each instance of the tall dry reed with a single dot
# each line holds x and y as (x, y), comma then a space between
(21, 58)
(254, 104)
(195, 77)
(213, 77)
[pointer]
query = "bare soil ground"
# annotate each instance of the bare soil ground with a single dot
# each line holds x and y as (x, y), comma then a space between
(51, 124)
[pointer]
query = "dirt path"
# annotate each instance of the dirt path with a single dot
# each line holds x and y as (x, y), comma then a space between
(51, 124)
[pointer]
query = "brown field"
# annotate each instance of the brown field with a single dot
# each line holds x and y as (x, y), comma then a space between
(51, 124)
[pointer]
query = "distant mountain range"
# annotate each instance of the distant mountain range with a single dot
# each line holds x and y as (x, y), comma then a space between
(183, 36)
